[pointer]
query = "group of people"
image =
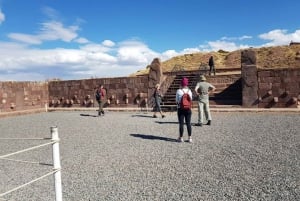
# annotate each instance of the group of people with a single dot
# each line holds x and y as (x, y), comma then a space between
(184, 113)
(184, 97)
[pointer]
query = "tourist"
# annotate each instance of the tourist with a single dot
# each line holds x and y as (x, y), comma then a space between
(202, 90)
(100, 98)
(211, 64)
(157, 101)
(184, 114)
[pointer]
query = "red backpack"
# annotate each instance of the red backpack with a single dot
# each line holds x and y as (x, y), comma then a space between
(186, 101)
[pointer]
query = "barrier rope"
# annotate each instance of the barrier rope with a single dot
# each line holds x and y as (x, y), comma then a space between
(25, 150)
(45, 138)
(32, 181)
(22, 161)
(56, 163)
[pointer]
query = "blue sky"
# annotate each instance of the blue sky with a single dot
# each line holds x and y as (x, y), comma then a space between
(81, 39)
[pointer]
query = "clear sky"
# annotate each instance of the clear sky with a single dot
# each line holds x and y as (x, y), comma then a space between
(78, 39)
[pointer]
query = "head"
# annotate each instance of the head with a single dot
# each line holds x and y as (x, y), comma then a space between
(202, 78)
(157, 86)
(184, 82)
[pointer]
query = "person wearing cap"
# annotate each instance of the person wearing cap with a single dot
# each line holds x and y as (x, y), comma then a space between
(184, 114)
(202, 90)
(157, 101)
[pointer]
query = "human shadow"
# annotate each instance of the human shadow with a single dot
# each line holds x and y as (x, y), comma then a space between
(88, 115)
(166, 122)
(141, 115)
(153, 137)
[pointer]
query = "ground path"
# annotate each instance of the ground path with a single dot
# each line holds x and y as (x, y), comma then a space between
(131, 156)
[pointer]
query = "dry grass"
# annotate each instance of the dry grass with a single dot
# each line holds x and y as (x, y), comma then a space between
(266, 58)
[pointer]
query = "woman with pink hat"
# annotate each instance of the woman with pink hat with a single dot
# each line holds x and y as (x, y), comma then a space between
(184, 112)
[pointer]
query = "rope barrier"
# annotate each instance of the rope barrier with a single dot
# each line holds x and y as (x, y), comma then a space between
(22, 161)
(25, 150)
(32, 181)
(46, 138)
(56, 163)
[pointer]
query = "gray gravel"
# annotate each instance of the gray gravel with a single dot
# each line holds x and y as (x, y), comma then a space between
(131, 156)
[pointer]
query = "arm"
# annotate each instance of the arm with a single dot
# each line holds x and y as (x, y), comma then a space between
(212, 88)
(196, 89)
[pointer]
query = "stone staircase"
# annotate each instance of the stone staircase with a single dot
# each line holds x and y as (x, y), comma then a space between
(228, 91)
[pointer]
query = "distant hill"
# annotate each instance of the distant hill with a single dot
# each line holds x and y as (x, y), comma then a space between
(266, 57)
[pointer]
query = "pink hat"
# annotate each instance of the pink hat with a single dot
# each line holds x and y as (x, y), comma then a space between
(184, 82)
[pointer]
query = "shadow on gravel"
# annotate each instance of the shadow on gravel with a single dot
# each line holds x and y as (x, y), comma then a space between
(88, 115)
(153, 137)
(167, 122)
(140, 115)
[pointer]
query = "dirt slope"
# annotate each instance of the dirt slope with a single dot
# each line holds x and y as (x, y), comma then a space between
(266, 57)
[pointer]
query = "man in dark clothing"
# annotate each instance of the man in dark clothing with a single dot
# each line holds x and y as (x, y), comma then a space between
(211, 65)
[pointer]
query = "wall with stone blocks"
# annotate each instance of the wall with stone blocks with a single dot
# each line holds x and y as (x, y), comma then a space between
(121, 91)
(22, 95)
(278, 88)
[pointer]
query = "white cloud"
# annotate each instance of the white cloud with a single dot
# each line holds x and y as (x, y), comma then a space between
(108, 43)
(81, 40)
(25, 38)
(50, 31)
(236, 38)
(134, 53)
(56, 31)
(221, 45)
(2, 16)
(280, 37)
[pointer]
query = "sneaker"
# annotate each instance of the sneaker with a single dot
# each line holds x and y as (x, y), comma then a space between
(208, 122)
(180, 139)
(163, 116)
(198, 124)
(154, 116)
(190, 140)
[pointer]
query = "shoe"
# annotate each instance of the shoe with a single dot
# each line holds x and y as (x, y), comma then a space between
(208, 122)
(163, 116)
(198, 124)
(180, 139)
(190, 140)
(154, 116)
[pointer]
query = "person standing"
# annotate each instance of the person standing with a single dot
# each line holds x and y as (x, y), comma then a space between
(157, 101)
(202, 90)
(184, 111)
(211, 64)
(100, 97)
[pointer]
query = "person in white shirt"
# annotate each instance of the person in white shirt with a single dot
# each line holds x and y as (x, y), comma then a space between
(182, 113)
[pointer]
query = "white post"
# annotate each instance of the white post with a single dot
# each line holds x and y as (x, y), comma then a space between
(46, 107)
(56, 164)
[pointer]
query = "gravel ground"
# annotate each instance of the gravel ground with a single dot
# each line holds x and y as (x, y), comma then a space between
(131, 156)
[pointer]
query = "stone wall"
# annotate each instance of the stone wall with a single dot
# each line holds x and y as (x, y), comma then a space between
(266, 88)
(278, 88)
(121, 91)
(23, 95)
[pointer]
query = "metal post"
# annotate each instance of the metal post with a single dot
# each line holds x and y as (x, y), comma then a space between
(56, 164)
